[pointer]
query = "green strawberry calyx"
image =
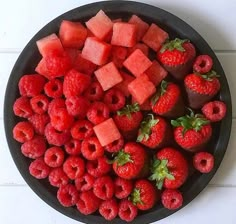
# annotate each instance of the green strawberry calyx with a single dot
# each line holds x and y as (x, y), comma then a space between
(146, 127)
(209, 75)
(129, 109)
(174, 44)
(135, 197)
(160, 92)
(122, 158)
(160, 172)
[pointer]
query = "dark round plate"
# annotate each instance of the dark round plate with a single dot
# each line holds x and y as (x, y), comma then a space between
(115, 9)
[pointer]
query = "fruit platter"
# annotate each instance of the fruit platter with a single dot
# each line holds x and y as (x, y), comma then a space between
(117, 112)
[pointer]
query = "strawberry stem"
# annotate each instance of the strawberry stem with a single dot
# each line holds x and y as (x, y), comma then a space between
(128, 109)
(209, 75)
(122, 158)
(135, 197)
(174, 44)
(160, 92)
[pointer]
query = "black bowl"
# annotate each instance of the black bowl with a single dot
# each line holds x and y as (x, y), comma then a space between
(115, 9)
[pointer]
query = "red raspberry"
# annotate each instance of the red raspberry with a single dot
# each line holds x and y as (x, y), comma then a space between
(214, 111)
(88, 203)
(73, 147)
(115, 99)
(127, 211)
(23, 131)
(98, 112)
(22, 107)
(55, 105)
(115, 146)
(54, 157)
(39, 121)
(84, 183)
(109, 209)
(99, 167)
(55, 137)
(91, 148)
(39, 169)
(74, 167)
(34, 148)
(82, 129)
(68, 195)
(203, 162)
(94, 92)
(39, 104)
(171, 199)
(77, 106)
(103, 187)
(31, 85)
(123, 187)
(57, 177)
(203, 64)
(53, 88)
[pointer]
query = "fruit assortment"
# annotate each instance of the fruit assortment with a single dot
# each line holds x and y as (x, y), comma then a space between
(117, 114)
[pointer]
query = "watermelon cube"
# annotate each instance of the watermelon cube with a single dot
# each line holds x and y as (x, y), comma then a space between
(145, 106)
(156, 73)
(50, 45)
(100, 25)
(96, 51)
(108, 76)
(141, 88)
(155, 37)
(137, 63)
(42, 69)
(142, 26)
(119, 54)
(124, 34)
(117, 20)
(107, 132)
(72, 34)
(143, 47)
(72, 53)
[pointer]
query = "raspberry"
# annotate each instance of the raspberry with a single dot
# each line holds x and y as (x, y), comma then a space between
(123, 187)
(53, 88)
(84, 183)
(98, 112)
(23, 131)
(34, 148)
(31, 85)
(39, 104)
(99, 167)
(203, 64)
(127, 211)
(68, 195)
(74, 167)
(214, 111)
(22, 107)
(171, 199)
(39, 169)
(73, 147)
(77, 106)
(203, 162)
(55, 105)
(94, 92)
(54, 157)
(103, 187)
(109, 209)
(91, 148)
(82, 129)
(55, 137)
(39, 121)
(115, 146)
(115, 99)
(57, 177)
(88, 203)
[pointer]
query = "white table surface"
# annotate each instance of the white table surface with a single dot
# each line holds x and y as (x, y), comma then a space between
(214, 20)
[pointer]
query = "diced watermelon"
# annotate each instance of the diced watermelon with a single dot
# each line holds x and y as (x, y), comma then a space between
(108, 76)
(107, 132)
(137, 63)
(156, 73)
(145, 106)
(117, 20)
(100, 25)
(50, 45)
(96, 51)
(155, 37)
(141, 88)
(143, 47)
(42, 69)
(72, 52)
(124, 34)
(90, 34)
(142, 26)
(119, 54)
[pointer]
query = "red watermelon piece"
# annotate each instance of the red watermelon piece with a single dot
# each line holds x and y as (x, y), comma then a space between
(117, 20)
(119, 54)
(42, 69)
(72, 53)
(143, 47)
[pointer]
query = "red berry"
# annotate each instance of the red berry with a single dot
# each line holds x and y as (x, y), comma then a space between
(84, 183)
(68, 195)
(53, 88)
(39, 104)
(115, 146)
(22, 107)
(109, 209)
(123, 187)
(54, 157)
(55, 105)
(82, 129)
(203, 162)
(171, 199)
(73, 147)
(127, 210)
(39, 169)
(23, 131)
(57, 177)
(203, 64)
(94, 92)
(39, 121)
(104, 187)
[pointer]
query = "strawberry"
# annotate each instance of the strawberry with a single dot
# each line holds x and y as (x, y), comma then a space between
(201, 88)
(169, 169)
(192, 132)
(177, 57)
(168, 101)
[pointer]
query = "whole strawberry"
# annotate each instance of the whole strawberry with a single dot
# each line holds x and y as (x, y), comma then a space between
(177, 57)
(168, 101)
(192, 132)
(169, 169)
